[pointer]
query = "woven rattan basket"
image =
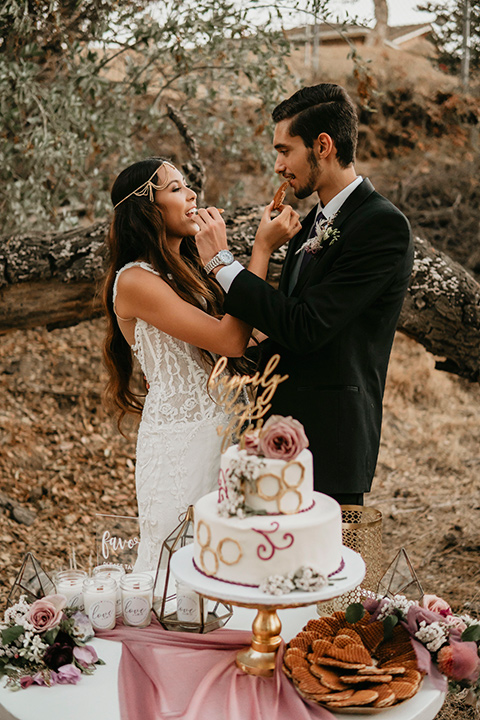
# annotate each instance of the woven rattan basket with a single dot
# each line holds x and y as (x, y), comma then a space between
(362, 532)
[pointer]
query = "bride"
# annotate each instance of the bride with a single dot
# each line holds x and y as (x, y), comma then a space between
(165, 309)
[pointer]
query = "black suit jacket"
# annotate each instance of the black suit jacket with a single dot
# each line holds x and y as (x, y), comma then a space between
(334, 334)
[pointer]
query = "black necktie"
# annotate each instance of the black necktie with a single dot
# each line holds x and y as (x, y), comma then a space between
(307, 256)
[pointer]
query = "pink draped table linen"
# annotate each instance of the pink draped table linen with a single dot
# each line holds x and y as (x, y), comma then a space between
(165, 674)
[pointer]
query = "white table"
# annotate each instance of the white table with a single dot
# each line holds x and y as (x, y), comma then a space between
(96, 698)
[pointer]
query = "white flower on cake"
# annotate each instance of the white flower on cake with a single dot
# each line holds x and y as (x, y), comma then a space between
(305, 579)
(241, 473)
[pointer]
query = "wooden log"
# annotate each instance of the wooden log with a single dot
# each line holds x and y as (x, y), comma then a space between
(55, 281)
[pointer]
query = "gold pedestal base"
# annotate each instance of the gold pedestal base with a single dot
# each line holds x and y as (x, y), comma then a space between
(259, 658)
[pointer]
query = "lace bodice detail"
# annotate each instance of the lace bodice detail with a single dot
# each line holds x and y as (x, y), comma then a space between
(175, 372)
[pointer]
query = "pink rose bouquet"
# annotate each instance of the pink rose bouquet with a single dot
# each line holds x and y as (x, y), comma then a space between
(46, 613)
(282, 437)
(44, 643)
(442, 641)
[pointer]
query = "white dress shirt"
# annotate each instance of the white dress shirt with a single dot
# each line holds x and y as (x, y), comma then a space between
(227, 274)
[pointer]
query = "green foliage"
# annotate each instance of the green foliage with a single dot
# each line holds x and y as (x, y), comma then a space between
(10, 634)
(471, 633)
(84, 87)
(448, 33)
(388, 624)
(354, 612)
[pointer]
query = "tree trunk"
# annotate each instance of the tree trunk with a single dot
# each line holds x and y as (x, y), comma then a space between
(442, 311)
(55, 281)
(379, 33)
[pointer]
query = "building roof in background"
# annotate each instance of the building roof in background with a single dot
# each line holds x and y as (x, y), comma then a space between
(396, 35)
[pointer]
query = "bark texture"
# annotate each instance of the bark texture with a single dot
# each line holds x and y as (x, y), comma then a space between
(55, 281)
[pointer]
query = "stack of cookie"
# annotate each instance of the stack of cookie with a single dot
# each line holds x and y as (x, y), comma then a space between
(348, 665)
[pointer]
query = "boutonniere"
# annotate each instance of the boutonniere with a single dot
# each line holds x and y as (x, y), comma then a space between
(325, 235)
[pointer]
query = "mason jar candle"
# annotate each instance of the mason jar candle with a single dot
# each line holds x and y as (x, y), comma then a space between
(137, 599)
(188, 604)
(116, 572)
(69, 583)
(100, 597)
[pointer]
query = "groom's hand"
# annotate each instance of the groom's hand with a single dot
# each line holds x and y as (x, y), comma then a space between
(274, 232)
(212, 236)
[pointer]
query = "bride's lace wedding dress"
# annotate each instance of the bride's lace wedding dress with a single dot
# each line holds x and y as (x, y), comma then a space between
(178, 447)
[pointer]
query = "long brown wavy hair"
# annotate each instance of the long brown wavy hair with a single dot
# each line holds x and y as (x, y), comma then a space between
(138, 232)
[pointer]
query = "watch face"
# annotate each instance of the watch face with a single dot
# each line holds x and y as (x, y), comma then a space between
(225, 256)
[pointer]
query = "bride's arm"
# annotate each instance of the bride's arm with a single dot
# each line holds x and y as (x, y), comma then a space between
(141, 294)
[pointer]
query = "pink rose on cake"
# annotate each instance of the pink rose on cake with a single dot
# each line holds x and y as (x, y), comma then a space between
(282, 438)
(250, 441)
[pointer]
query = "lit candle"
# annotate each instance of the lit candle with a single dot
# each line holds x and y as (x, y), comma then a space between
(188, 604)
(69, 584)
(99, 596)
(137, 599)
(116, 572)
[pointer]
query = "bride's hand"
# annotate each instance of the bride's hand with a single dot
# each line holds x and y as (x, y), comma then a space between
(274, 232)
(212, 236)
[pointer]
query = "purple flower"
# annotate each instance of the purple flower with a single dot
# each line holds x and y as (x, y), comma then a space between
(82, 628)
(58, 654)
(282, 437)
(68, 674)
(416, 614)
(85, 656)
(45, 678)
(371, 605)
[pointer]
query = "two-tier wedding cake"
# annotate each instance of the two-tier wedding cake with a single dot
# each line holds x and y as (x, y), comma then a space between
(265, 526)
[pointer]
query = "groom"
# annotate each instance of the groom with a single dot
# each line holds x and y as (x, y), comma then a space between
(333, 318)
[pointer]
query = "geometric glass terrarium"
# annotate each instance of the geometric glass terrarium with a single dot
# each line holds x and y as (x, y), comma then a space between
(31, 581)
(400, 579)
(177, 606)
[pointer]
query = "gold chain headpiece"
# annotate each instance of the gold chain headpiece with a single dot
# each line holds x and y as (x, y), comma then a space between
(149, 186)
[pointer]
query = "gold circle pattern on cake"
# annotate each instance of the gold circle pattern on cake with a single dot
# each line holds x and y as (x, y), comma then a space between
(200, 527)
(221, 555)
(283, 495)
(285, 485)
(218, 554)
(203, 552)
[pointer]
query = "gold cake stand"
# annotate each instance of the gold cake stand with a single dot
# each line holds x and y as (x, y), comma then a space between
(259, 658)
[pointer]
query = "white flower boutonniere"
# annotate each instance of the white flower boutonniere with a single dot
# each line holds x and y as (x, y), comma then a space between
(325, 235)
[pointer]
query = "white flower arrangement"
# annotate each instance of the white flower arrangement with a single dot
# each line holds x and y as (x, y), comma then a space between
(242, 471)
(44, 643)
(453, 641)
(305, 579)
(433, 636)
(325, 235)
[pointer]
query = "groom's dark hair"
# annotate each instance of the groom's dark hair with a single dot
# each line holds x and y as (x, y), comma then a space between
(322, 108)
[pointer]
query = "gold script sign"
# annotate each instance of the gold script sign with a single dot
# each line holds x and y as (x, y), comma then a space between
(227, 390)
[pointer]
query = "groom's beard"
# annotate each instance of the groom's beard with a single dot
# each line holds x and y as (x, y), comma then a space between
(306, 190)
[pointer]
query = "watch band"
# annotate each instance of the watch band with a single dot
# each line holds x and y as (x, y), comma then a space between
(224, 257)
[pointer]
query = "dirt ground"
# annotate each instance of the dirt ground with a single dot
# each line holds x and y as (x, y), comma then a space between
(63, 460)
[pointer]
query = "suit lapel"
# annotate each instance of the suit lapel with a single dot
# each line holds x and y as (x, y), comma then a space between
(351, 204)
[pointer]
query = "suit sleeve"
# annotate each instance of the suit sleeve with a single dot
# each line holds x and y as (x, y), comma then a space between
(375, 253)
